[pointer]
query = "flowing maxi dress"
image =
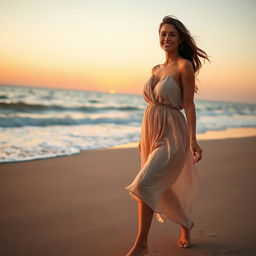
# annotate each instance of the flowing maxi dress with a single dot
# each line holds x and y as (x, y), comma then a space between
(168, 180)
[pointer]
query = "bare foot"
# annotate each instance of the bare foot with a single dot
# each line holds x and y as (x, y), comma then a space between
(184, 241)
(138, 250)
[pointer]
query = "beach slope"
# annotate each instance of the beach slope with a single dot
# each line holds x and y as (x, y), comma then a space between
(76, 205)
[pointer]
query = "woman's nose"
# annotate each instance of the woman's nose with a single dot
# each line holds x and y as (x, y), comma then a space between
(167, 37)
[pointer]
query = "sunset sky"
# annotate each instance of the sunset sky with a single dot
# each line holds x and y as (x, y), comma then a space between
(112, 45)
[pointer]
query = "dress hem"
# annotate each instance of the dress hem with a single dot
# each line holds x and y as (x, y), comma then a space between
(155, 211)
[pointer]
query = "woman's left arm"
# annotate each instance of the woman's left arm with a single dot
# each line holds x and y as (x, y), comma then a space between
(188, 83)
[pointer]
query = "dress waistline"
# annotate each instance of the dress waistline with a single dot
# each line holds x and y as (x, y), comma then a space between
(170, 106)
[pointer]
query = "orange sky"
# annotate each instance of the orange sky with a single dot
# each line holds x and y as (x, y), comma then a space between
(113, 46)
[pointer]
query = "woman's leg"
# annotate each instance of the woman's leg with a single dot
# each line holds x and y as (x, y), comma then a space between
(184, 240)
(145, 214)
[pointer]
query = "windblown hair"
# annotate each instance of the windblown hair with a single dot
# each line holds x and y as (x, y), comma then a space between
(187, 49)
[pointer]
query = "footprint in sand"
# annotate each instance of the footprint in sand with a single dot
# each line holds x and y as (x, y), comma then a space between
(229, 250)
(212, 235)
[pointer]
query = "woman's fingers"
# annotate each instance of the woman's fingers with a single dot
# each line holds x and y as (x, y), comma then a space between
(197, 155)
(197, 152)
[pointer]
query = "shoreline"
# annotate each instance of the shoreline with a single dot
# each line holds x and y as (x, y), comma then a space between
(210, 135)
(229, 133)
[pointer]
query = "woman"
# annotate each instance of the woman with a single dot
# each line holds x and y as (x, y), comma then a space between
(167, 183)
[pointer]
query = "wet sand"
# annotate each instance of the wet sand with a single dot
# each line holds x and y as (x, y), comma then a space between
(77, 206)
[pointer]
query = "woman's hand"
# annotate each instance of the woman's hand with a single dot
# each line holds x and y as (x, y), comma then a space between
(196, 150)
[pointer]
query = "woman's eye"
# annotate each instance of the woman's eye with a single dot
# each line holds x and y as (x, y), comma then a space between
(170, 34)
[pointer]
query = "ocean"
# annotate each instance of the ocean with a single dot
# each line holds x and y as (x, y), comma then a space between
(38, 123)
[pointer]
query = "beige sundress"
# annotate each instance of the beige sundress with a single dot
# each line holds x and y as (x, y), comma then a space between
(168, 180)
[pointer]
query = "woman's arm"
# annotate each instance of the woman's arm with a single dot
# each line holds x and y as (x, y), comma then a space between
(188, 82)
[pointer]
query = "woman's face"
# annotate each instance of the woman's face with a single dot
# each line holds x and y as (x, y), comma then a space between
(169, 38)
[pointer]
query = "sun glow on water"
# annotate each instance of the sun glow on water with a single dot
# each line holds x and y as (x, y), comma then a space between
(112, 91)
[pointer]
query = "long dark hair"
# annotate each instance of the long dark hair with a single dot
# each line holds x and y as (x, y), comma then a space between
(187, 49)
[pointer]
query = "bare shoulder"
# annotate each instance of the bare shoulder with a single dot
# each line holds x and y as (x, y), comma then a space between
(153, 72)
(185, 66)
(187, 76)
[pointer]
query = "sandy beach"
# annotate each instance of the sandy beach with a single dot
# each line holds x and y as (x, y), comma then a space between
(77, 206)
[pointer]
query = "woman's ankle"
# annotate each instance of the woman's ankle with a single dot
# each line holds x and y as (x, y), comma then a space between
(141, 243)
